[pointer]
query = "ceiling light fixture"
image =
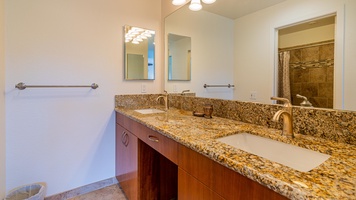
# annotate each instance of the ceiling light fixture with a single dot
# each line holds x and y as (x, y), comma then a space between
(208, 1)
(178, 2)
(195, 5)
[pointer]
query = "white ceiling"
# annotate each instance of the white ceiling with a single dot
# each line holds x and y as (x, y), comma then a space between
(234, 9)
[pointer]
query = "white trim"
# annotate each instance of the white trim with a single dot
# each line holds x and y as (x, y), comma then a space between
(338, 51)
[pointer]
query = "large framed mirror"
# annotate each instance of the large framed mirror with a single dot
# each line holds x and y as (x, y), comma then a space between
(139, 53)
(179, 57)
(248, 50)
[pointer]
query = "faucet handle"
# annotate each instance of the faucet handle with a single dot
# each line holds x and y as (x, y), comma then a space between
(184, 91)
(285, 100)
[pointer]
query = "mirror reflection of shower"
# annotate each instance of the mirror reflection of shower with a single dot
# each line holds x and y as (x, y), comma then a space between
(306, 62)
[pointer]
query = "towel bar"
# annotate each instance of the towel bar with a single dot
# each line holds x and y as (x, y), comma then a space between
(22, 86)
(228, 85)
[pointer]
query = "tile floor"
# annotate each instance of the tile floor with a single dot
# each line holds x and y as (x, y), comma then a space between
(112, 192)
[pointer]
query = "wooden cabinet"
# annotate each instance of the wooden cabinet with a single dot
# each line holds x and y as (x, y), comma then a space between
(152, 166)
(126, 161)
(191, 188)
(220, 179)
(144, 161)
(165, 146)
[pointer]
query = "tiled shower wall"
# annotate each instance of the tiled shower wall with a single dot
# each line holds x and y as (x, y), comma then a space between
(312, 73)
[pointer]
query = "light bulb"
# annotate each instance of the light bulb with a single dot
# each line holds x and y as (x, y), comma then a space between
(208, 1)
(147, 34)
(195, 5)
(143, 36)
(178, 2)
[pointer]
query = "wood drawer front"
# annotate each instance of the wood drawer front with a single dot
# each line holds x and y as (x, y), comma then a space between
(120, 119)
(225, 182)
(163, 145)
(127, 123)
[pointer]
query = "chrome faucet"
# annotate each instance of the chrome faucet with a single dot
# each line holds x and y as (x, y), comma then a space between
(184, 91)
(165, 98)
(287, 116)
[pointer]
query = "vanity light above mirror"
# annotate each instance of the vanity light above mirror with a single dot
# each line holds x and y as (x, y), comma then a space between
(195, 5)
(136, 34)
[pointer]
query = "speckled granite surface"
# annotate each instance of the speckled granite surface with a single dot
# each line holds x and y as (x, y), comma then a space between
(334, 179)
(335, 125)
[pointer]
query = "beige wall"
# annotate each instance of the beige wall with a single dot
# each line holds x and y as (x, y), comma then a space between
(167, 8)
(309, 36)
(66, 137)
(2, 106)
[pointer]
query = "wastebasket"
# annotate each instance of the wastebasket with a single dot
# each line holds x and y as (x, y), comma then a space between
(35, 191)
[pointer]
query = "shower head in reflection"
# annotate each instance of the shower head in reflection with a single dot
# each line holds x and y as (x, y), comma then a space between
(305, 102)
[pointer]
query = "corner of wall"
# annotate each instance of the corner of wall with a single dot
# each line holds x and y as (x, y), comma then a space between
(2, 106)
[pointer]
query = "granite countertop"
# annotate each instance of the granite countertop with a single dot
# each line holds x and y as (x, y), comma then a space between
(334, 179)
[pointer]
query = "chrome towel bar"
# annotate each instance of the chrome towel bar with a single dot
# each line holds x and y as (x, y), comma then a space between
(22, 86)
(228, 85)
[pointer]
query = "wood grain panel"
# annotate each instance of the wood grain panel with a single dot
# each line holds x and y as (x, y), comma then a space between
(190, 188)
(165, 146)
(148, 172)
(126, 161)
(226, 182)
(158, 175)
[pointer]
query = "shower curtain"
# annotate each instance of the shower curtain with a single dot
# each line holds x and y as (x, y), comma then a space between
(283, 75)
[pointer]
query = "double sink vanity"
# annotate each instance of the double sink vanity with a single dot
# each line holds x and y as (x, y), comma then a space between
(175, 155)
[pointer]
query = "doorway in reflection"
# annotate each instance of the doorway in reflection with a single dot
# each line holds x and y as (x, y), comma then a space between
(306, 57)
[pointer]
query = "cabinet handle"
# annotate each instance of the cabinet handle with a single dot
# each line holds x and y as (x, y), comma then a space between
(125, 138)
(122, 137)
(153, 138)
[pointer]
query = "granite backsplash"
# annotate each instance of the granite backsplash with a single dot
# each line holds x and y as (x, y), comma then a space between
(335, 125)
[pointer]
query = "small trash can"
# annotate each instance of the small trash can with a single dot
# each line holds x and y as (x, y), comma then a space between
(35, 191)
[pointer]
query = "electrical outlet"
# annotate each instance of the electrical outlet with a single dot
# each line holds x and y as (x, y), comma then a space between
(253, 95)
(175, 88)
(143, 88)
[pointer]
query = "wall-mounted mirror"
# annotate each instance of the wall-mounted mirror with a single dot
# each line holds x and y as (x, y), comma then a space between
(250, 45)
(139, 53)
(179, 57)
(212, 52)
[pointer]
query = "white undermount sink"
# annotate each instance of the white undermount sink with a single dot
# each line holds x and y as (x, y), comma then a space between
(149, 111)
(289, 155)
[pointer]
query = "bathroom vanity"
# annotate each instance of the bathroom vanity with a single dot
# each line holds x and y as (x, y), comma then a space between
(150, 165)
(176, 155)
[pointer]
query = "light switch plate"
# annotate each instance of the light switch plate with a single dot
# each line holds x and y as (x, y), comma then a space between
(143, 88)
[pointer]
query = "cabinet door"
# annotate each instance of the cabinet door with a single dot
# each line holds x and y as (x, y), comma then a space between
(126, 161)
(225, 182)
(190, 188)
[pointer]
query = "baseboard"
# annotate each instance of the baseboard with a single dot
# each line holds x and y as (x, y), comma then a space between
(83, 190)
